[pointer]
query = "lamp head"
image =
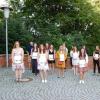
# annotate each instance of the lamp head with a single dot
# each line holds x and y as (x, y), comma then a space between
(6, 10)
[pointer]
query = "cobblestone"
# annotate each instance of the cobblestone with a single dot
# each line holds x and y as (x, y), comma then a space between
(67, 88)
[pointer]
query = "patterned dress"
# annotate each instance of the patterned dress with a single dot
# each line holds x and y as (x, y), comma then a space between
(42, 62)
(17, 60)
(75, 58)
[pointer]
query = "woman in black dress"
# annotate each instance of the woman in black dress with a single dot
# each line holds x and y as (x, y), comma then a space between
(51, 57)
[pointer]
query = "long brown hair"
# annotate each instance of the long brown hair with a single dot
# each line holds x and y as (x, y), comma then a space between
(47, 48)
(52, 47)
(33, 48)
(84, 53)
(15, 44)
(40, 50)
(74, 49)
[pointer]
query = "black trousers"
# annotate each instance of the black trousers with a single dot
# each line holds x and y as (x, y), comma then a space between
(96, 63)
(71, 61)
(34, 66)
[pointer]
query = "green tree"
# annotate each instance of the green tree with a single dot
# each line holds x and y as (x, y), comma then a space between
(54, 21)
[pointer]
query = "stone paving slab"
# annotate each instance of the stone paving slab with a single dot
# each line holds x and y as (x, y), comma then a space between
(67, 88)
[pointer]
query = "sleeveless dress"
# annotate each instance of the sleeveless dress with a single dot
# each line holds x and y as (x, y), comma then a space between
(82, 63)
(75, 58)
(18, 64)
(42, 62)
(51, 57)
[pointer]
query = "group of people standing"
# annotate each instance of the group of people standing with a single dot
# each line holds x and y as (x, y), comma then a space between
(45, 57)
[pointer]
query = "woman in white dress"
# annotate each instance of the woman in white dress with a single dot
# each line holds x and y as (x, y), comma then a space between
(43, 63)
(83, 61)
(18, 60)
(75, 60)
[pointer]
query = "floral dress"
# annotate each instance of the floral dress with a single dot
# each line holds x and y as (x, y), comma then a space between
(42, 62)
(17, 60)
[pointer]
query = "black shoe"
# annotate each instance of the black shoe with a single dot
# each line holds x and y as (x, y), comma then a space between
(17, 80)
(35, 74)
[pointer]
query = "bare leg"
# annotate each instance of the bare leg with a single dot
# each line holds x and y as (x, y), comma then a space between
(62, 72)
(45, 74)
(53, 66)
(74, 70)
(41, 74)
(20, 74)
(16, 74)
(59, 73)
(50, 68)
(82, 77)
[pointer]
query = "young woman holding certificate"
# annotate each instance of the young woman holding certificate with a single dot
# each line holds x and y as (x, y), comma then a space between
(34, 55)
(61, 57)
(75, 60)
(18, 60)
(83, 62)
(51, 57)
(43, 63)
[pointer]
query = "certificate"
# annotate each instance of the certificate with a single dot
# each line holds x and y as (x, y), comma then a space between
(42, 58)
(51, 57)
(96, 56)
(17, 59)
(62, 58)
(34, 55)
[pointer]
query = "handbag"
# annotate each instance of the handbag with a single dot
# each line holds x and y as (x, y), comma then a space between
(60, 62)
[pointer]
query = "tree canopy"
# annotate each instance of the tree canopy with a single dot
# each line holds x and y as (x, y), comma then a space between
(75, 22)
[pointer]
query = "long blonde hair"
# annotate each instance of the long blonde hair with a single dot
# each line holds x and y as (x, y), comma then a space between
(15, 44)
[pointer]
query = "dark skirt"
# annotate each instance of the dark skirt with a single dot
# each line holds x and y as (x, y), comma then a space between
(51, 61)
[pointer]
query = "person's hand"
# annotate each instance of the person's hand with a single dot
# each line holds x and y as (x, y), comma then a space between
(12, 62)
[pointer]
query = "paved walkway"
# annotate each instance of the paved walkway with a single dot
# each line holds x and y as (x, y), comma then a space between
(67, 88)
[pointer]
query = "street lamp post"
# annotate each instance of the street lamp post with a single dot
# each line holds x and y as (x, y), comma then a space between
(6, 10)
